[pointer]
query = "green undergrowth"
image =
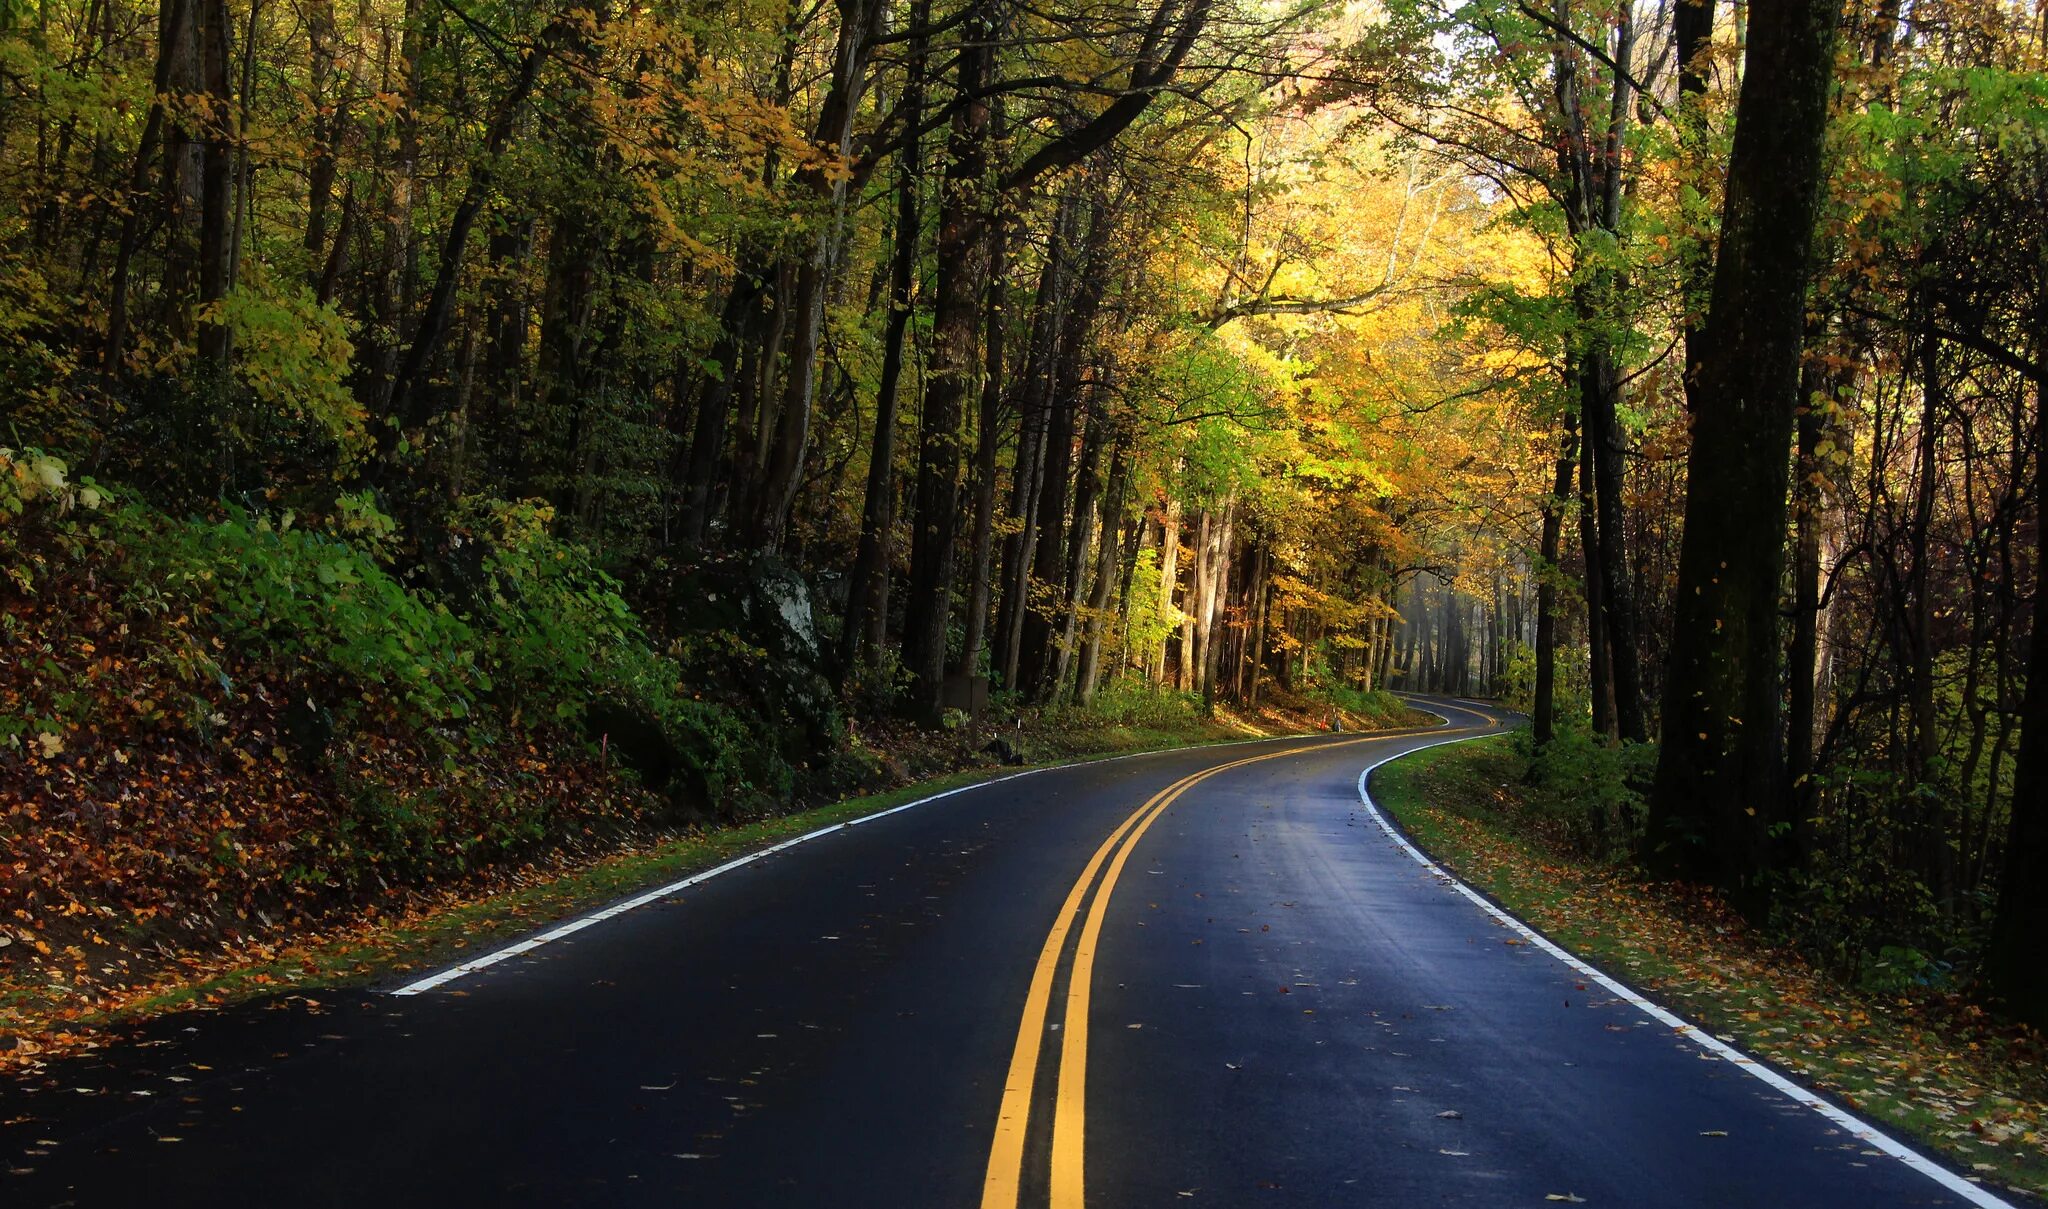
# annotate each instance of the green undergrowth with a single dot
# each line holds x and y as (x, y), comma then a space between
(1933, 1066)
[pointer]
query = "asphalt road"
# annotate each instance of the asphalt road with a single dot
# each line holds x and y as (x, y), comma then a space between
(1276, 1005)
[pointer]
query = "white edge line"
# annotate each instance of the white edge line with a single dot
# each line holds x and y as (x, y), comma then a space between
(1863, 1131)
(528, 945)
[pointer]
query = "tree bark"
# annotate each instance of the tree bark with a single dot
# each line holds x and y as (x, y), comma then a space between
(1105, 571)
(783, 463)
(2018, 953)
(1599, 662)
(216, 194)
(409, 402)
(1713, 807)
(988, 436)
(1544, 709)
(961, 250)
(867, 585)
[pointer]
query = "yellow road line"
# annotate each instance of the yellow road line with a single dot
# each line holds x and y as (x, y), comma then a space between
(1000, 1187)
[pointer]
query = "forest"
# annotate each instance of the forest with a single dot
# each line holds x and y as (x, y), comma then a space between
(439, 429)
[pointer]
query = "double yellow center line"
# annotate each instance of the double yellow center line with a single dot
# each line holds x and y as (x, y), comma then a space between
(1001, 1187)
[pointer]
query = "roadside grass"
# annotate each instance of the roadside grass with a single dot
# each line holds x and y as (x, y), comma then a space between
(1933, 1067)
(45, 1018)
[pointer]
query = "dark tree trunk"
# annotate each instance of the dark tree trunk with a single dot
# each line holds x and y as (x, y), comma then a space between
(1713, 806)
(2018, 955)
(1064, 384)
(787, 437)
(1080, 543)
(174, 20)
(1805, 649)
(1105, 572)
(410, 402)
(867, 586)
(1599, 664)
(1544, 720)
(988, 436)
(216, 194)
(961, 252)
(1603, 432)
(1034, 402)
(739, 329)
(1692, 26)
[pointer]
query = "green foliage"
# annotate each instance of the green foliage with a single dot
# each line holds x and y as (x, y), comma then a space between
(1516, 684)
(292, 353)
(34, 361)
(1378, 704)
(1857, 897)
(558, 622)
(1130, 701)
(308, 605)
(1588, 789)
(561, 638)
(1152, 618)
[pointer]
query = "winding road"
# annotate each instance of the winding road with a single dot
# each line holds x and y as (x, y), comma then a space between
(1206, 977)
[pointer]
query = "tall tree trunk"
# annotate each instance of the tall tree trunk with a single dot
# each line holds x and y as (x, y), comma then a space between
(1169, 579)
(2018, 954)
(410, 403)
(1544, 717)
(783, 462)
(1603, 431)
(988, 436)
(1714, 806)
(1255, 649)
(1216, 599)
(174, 20)
(961, 250)
(328, 116)
(739, 329)
(1065, 381)
(1080, 544)
(867, 586)
(1195, 616)
(183, 45)
(1599, 661)
(1033, 392)
(217, 194)
(1105, 571)
(1692, 27)
(1819, 390)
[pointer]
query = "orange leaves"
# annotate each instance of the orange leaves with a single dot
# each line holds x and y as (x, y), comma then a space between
(157, 832)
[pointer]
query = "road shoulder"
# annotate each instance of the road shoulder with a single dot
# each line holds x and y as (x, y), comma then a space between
(1929, 1068)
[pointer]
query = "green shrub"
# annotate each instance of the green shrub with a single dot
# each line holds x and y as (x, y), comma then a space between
(1860, 895)
(1590, 789)
(1378, 704)
(557, 631)
(1132, 701)
(304, 603)
(557, 625)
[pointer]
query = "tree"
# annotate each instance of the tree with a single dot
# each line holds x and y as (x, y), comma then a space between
(1716, 808)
